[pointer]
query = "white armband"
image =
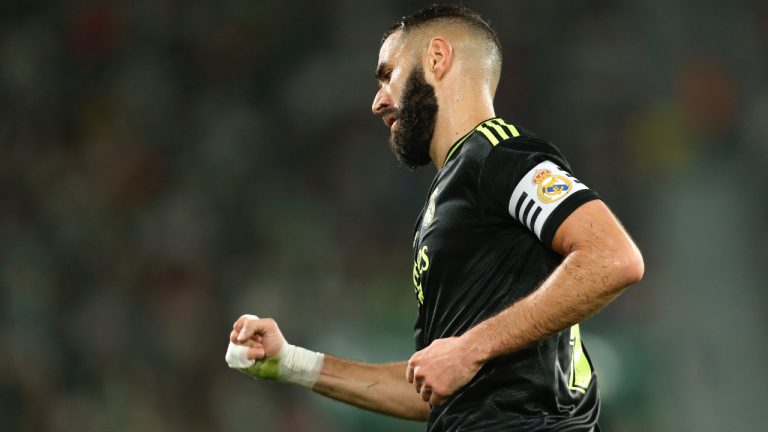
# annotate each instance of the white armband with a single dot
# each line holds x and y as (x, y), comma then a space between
(541, 190)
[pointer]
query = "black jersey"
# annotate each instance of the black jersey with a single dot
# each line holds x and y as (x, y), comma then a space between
(482, 242)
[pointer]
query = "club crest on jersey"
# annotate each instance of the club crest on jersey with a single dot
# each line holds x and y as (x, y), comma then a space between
(429, 215)
(552, 187)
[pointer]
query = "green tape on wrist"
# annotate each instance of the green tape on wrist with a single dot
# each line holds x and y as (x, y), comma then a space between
(268, 369)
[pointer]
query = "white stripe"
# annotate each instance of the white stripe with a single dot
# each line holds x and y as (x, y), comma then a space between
(532, 203)
(530, 215)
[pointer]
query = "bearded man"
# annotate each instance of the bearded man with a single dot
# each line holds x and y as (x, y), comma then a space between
(510, 253)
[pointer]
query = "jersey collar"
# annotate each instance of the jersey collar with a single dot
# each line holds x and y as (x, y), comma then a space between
(461, 140)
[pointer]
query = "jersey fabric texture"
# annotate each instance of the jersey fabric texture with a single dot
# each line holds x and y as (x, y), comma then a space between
(481, 243)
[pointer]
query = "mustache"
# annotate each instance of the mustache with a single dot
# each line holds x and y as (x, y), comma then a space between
(387, 111)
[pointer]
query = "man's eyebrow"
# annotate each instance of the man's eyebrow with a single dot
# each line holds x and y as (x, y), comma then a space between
(381, 71)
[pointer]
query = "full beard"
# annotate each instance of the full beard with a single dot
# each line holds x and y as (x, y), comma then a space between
(416, 117)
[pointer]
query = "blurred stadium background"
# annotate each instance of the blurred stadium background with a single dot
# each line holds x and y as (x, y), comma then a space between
(166, 166)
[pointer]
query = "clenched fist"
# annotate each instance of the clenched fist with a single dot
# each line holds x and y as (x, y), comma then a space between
(261, 335)
(257, 348)
(441, 369)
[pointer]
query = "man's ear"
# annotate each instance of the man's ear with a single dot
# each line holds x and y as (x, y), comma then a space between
(439, 57)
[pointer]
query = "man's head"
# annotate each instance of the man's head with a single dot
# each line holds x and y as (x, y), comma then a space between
(431, 62)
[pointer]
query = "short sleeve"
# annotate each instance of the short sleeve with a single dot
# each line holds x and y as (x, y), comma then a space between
(531, 182)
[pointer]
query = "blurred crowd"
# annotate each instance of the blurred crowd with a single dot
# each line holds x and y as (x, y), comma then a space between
(167, 166)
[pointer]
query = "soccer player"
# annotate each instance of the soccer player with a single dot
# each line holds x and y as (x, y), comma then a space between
(510, 253)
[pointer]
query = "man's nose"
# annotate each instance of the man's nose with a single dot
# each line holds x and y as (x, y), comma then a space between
(381, 101)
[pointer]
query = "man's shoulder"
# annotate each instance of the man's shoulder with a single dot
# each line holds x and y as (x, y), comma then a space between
(499, 136)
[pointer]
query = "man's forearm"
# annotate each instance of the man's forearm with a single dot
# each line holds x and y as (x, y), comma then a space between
(376, 387)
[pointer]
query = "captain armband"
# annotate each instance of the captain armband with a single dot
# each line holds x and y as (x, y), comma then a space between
(539, 195)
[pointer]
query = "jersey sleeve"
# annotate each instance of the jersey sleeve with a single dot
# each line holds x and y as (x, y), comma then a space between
(528, 180)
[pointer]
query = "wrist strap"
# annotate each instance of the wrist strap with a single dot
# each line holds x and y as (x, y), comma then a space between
(299, 365)
(291, 364)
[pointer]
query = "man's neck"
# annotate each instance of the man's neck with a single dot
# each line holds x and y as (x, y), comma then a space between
(451, 125)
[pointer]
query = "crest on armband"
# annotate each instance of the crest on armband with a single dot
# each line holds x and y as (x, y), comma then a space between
(551, 187)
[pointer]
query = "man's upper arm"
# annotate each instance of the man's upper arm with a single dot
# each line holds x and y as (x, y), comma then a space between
(592, 228)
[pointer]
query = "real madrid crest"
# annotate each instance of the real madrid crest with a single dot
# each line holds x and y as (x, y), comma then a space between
(551, 187)
(429, 215)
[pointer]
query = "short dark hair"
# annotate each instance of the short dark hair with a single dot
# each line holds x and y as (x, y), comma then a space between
(447, 12)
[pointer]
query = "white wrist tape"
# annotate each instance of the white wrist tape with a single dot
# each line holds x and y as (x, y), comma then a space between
(299, 365)
(291, 364)
(237, 356)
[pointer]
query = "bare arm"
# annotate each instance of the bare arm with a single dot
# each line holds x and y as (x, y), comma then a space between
(600, 261)
(375, 387)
